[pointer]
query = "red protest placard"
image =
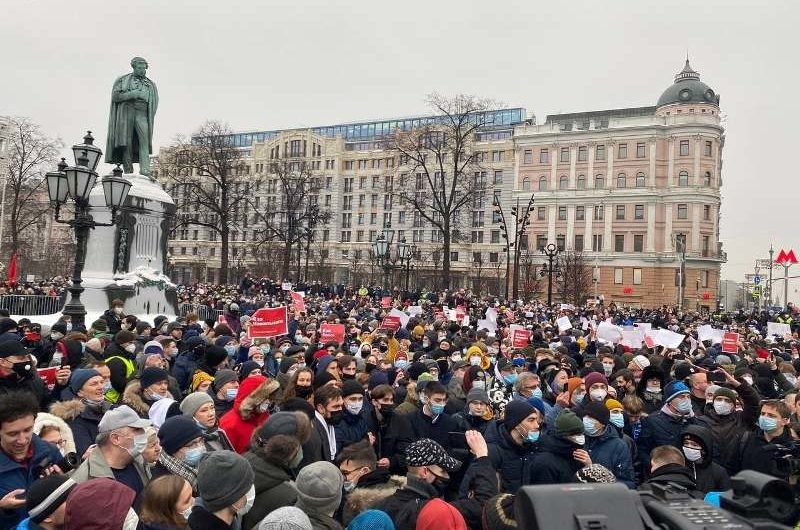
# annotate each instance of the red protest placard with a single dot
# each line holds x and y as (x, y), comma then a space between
(386, 302)
(297, 301)
(48, 375)
(519, 339)
(730, 342)
(331, 333)
(461, 312)
(268, 322)
(391, 322)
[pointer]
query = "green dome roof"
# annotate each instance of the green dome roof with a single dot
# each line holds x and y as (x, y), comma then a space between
(688, 89)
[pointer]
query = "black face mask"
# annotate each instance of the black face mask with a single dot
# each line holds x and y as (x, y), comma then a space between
(387, 410)
(370, 367)
(440, 485)
(335, 417)
(303, 391)
(348, 376)
(23, 369)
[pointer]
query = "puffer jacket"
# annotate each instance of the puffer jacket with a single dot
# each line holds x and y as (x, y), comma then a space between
(274, 484)
(83, 420)
(45, 419)
(511, 460)
(134, 398)
(611, 451)
(708, 475)
(352, 429)
(245, 417)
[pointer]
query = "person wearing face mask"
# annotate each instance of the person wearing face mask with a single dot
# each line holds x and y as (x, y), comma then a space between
(166, 504)
(84, 412)
(182, 447)
(429, 470)
(121, 361)
(728, 425)
(650, 388)
(477, 413)
(365, 485)
(17, 372)
(50, 342)
(250, 410)
(758, 448)
(111, 505)
(381, 423)
(227, 492)
(562, 454)
(353, 426)
(505, 375)
(152, 386)
(199, 406)
(223, 391)
(275, 455)
(666, 426)
(668, 467)
(120, 443)
(604, 444)
(114, 316)
(596, 386)
(514, 441)
(698, 448)
(319, 493)
(476, 357)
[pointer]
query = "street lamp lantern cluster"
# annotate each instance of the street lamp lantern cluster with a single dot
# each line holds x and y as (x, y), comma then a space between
(76, 183)
(521, 221)
(382, 250)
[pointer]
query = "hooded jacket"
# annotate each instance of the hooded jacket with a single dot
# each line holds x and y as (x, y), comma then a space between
(611, 451)
(554, 464)
(661, 429)
(708, 475)
(673, 474)
(134, 398)
(44, 419)
(240, 422)
(274, 484)
(511, 460)
(352, 428)
(652, 402)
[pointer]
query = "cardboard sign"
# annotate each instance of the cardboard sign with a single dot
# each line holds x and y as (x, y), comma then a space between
(519, 338)
(564, 324)
(268, 322)
(48, 375)
(297, 301)
(705, 333)
(781, 330)
(649, 340)
(386, 302)
(391, 322)
(460, 313)
(729, 342)
(331, 333)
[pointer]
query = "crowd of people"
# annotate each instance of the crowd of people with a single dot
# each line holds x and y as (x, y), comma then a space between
(189, 424)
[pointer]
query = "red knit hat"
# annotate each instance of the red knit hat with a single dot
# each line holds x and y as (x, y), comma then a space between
(439, 515)
(593, 378)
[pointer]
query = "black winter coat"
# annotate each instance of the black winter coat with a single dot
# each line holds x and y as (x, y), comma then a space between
(416, 425)
(273, 489)
(708, 475)
(673, 474)
(352, 429)
(554, 463)
(661, 429)
(510, 459)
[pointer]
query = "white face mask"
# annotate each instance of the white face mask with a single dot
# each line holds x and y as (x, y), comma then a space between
(598, 394)
(579, 439)
(692, 454)
(130, 347)
(723, 408)
(748, 378)
(250, 500)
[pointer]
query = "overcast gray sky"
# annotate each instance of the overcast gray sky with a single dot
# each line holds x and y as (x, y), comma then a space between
(277, 63)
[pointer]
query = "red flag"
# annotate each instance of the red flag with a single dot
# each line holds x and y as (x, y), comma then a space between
(12, 270)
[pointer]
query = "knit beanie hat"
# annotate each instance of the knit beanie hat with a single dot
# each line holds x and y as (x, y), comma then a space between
(598, 411)
(79, 378)
(641, 361)
(100, 325)
(612, 404)
(437, 514)
(124, 336)
(498, 513)
(477, 394)
(192, 403)
(351, 387)
(153, 347)
(319, 488)
(199, 378)
(176, 432)
(516, 411)
(286, 363)
(45, 495)
(674, 389)
(153, 375)
(286, 518)
(222, 377)
(278, 423)
(224, 477)
(595, 473)
(594, 377)
(568, 424)
(726, 392)
(538, 404)
(371, 520)
(215, 355)
(573, 383)
(322, 379)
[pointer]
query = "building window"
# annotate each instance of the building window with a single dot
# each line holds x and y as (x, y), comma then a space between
(706, 246)
(683, 179)
(638, 243)
(563, 182)
(477, 236)
(597, 242)
(541, 242)
(526, 184)
(495, 236)
(578, 242)
(637, 276)
(707, 179)
(706, 212)
(544, 156)
(622, 151)
(683, 211)
(540, 213)
(638, 212)
(562, 213)
(498, 177)
(598, 212)
(600, 152)
(708, 149)
(640, 180)
(621, 180)
(565, 154)
(527, 156)
(542, 183)
(498, 156)
(477, 257)
(580, 213)
(619, 242)
(620, 212)
(454, 256)
(599, 181)
(581, 183)
(618, 276)
(684, 147)
(560, 242)
(641, 150)
(494, 257)
(704, 279)
(583, 153)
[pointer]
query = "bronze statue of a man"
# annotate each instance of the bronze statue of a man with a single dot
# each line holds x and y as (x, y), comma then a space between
(134, 100)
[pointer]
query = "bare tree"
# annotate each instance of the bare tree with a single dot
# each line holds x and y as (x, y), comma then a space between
(444, 171)
(31, 155)
(292, 211)
(575, 283)
(212, 184)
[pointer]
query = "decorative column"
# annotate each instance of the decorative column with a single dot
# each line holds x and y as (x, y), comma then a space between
(551, 223)
(651, 227)
(695, 244)
(570, 236)
(670, 162)
(573, 160)
(668, 213)
(554, 167)
(590, 171)
(696, 179)
(610, 164)
(607, 217)
(652, 171)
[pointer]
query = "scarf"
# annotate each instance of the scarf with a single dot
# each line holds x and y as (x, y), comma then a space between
(177, 467)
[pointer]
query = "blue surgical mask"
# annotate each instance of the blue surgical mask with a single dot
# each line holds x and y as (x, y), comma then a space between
(354, 349)
(230, 394)
(590, 427)
(767, 424)
(533, 436)
(266, 348)
(401, 364)
(510, 378)
(106, 386)
(518, 362)
(437, 409)
(536, 393)
(230, 349)
(618, 419)
(193, 455)
(684, 406)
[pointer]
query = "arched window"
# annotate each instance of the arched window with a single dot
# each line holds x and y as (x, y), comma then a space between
(526, 184)
(581, 182)
(683, 179)
(563, 182)
(640, 180)
(599, 181)
(707, 179)
(621, 180)
(542, 183)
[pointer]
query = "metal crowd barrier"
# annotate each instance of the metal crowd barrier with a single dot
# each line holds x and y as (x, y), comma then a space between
(32, 304)
(204, 312)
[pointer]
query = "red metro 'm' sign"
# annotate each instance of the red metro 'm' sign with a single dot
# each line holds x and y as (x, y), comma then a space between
(786, 258)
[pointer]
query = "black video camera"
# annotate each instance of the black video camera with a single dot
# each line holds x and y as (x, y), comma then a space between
(787, 458)
(66, 464)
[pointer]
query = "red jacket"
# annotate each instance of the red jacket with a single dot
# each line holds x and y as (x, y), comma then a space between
(238, 429)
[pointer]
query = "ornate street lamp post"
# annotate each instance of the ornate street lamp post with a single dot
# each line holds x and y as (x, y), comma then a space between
(76, 182)
(551, 252)
(406, 253)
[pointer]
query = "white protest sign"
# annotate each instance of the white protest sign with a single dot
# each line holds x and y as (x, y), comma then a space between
(609, 332)
(564, 323)
(705, 333)
(584, 324)
(451, 315)
(491, 314)
(632, 338)
(717, 337)
(401, 315)
(669, 339)
(644, 326)
(465, 321)
(488, 325)
(415, 310)
(781, 330)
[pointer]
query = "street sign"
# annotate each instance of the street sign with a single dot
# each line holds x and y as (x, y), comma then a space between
(757, 280)
(786, 258)
(764, 263)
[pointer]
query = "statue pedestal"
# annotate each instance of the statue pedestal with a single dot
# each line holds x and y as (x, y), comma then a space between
(127, 260)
